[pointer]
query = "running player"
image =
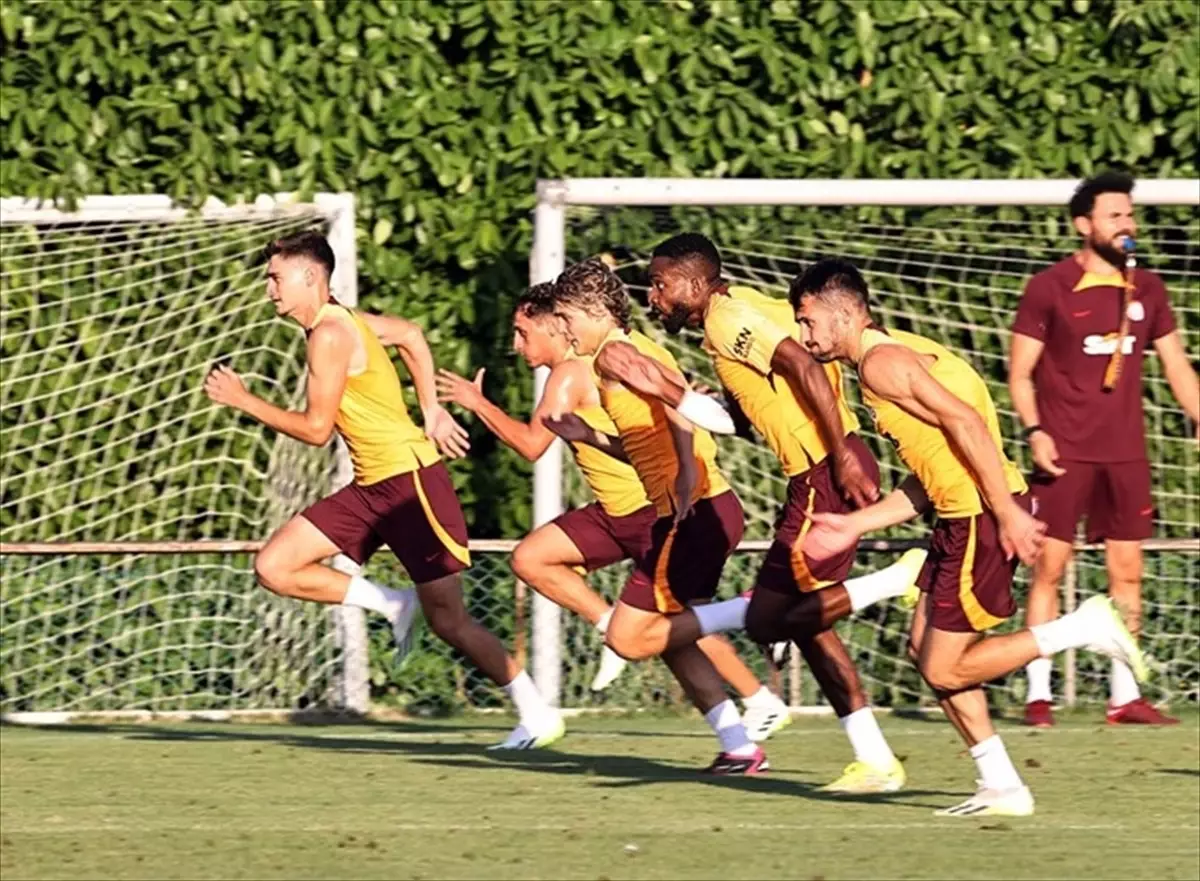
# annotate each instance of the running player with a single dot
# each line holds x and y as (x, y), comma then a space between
(800, 411)
(938, 412)
(1088, 444)
(616, 526)
(699, 518)
(401, 494)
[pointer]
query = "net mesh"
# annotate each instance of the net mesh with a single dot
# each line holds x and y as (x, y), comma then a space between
(107, 330)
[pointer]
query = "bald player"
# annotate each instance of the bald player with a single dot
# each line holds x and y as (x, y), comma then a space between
(401, 494)
(1089, 443)
(699, 519)
(799, 409)
(937, 411)
(616, 527)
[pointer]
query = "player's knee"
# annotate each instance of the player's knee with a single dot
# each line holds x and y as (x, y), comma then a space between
(763, 624)
(943, 678)
(269, 571)
(629, 644)
(525, 564)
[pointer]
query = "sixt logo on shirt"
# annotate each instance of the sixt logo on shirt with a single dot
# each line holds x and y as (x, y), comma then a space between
(741, 345)
(1106, 344)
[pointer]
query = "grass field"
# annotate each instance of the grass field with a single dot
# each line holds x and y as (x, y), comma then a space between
(620, 799)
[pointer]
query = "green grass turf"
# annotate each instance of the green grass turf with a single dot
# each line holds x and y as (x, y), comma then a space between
(619, 798)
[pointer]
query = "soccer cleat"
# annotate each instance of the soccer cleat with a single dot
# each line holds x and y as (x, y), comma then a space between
(1138, 712)
(611, 665)
(993, 803)
(859, 778)
(1110, 636)
(1039, 714)
(909, 566)
(534, 736)
(762, 722)
(402, 624)
(726, 764)
(910, 597)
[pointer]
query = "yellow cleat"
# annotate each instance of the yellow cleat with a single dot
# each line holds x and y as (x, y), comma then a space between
(910, 598)
(859, 778)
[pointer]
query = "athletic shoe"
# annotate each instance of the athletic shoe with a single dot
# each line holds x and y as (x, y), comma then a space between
(1039, 714)
(1110, 636)
(859, 778)
(402, 625)
(762, 722)
(910, 597)
(746, 766)
(1138, 712)
(611, 665)
(993, 803)
(533, 736)
(777, 653)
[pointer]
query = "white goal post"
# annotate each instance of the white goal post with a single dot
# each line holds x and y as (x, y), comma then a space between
(552, 249)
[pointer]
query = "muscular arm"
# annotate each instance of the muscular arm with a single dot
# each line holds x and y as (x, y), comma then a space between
(329, 349)
(1180, 374)
(809, 382)
(902, 504)
(897, 374)
(409, 341)
(623, 363)
(1026, 351)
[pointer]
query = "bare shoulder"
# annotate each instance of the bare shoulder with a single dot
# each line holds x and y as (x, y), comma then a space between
(888, 368)
(329, 339)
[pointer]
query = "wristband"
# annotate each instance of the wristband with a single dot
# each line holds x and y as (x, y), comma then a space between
(1031, 431)
(703, 412)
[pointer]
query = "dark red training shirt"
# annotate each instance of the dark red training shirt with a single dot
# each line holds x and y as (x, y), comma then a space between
(1077, 317)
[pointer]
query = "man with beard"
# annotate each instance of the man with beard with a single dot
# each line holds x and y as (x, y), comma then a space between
(1082, 411)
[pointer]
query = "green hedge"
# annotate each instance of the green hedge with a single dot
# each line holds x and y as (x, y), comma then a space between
(440, 116)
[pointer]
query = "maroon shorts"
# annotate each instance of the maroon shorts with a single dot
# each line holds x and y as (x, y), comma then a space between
(1114, 496)
(787, 568)
(416, 514)
(684, 563)
(603, 539)
(967, 574)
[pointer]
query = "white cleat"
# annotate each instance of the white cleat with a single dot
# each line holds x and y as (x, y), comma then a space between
(533, 735)
(779, 652)
(762, 722)
(611, 666)
(1108, 634)
(402, 623)
(994, 803)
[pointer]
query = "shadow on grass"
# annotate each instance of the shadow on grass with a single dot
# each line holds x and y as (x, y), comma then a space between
(609, 771)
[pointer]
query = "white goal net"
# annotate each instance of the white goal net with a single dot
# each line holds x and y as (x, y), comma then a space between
(110, 317)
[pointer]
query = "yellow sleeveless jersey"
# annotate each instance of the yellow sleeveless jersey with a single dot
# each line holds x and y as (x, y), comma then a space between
(741, 332)
(372, 417)
(945, 475)
(646, 434)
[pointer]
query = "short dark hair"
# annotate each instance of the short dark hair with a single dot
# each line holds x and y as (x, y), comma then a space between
(591, 285)
(1084, 199)
(309, 243)
(692, 246)
(537, 301)
(831, 276)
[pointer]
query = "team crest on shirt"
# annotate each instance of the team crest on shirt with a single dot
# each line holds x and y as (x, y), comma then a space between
(1135, 310)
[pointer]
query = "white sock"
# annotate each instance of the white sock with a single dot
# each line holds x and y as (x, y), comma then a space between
(868, 742)
(602, 624)
(1038, 673)
(528, 700)
(725, 721)
(1124, 686)
(996, 769)
(719, 617)
(368, 595)
(866, 590)
(764, 697)
(1065, 632)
